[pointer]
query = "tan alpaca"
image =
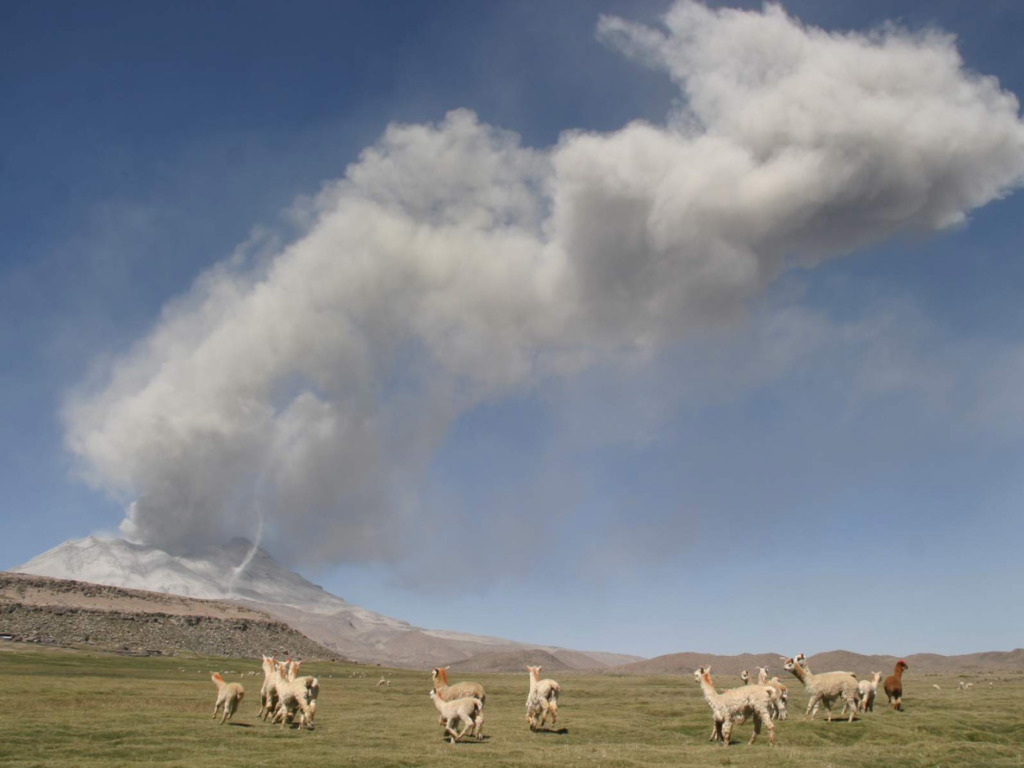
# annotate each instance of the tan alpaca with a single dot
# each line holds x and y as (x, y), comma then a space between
(229, 696)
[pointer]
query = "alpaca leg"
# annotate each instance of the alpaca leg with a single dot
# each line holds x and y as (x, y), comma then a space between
(726, 731)
(478, 727)
(852, 703)
(757, 728)
(812, 707)
(553, 709)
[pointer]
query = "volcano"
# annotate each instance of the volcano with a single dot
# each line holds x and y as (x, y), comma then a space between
(241, 573)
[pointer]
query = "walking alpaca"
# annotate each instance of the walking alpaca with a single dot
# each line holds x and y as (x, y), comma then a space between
(867, 690)
(752, 700)
(778, 708)
(894, 685)
(542, 699)
(467, 710)
(229, 696)
(824, 688)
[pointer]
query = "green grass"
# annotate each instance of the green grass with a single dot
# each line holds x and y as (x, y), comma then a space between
(78, 708)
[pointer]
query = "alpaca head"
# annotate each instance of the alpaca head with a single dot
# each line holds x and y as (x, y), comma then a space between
(789, 664)
(901, 665)
(534, 671)
(702, 675)
(744, 675)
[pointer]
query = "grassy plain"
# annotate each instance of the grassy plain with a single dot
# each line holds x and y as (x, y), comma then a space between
(77, 708)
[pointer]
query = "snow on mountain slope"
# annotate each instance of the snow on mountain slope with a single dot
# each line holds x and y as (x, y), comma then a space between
(240, 573)
(217, 573)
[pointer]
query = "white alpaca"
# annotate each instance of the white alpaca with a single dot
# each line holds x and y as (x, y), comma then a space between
(295, 694)
(467, 710)
(866, 690)
(268, 693)
(824, 688)
(752, 700)
(778, 708)
(542, 700)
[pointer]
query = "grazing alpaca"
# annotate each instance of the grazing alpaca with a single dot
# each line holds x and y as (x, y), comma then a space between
(867, 690)
(824, 688)
(752, 700)
(229, 696)
(778, 707)
(894, 685)
(468, 710)
(542, 700)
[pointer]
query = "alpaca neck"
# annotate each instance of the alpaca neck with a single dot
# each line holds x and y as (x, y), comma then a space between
(709, 690)
(803, 675)
(762, 677)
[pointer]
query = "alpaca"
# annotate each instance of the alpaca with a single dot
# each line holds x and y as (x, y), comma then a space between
(229, 696)
(468, 710)
(824, 688)
(458, 690)
(750, 700)
(866, 689)
(745, 677)
(268, 693)
(295, 694)
(778, 708)
(542, 700)
(894, 685)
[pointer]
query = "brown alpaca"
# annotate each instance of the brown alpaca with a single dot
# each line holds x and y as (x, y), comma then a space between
(894, 685)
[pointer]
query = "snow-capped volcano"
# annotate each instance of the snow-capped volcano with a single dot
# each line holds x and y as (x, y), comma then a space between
(235, 571)
(241, 573)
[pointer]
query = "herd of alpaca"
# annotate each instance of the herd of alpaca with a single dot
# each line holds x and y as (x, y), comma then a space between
(286, 696)
(766, 700)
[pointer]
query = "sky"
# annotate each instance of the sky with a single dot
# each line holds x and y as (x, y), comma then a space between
(688, 327)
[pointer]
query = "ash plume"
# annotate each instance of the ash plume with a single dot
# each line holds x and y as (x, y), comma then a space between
(451, 266)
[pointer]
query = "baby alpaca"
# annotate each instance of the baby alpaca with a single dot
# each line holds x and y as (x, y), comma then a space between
(866, 689)
(229, 696)
(468, 710)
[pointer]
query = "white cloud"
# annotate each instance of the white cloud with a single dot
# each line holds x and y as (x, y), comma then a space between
(452, 265)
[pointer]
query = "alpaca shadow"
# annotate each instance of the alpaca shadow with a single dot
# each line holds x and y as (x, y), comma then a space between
(470, 740)
(559, 732)
(241, 725)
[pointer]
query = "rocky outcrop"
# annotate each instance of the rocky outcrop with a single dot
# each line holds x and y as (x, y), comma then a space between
(36, 609)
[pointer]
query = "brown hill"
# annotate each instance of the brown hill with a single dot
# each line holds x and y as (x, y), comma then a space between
(74, 613)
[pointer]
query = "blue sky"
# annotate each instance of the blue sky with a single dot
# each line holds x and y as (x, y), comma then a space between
(823, 454)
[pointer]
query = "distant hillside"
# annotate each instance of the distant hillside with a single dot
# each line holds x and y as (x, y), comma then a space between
(920, 663)
(73, 613)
